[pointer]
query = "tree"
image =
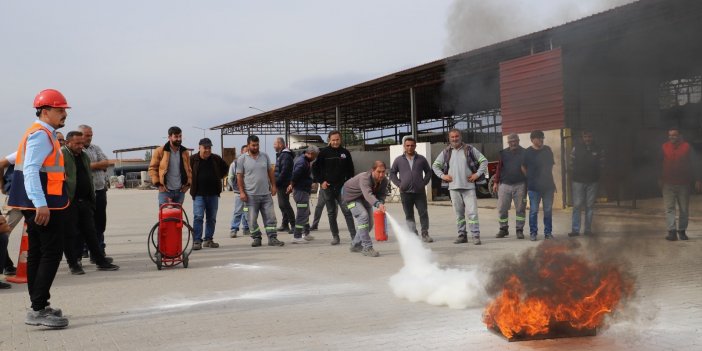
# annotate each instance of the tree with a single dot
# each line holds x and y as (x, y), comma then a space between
(349, 137)
(147, 155)
(387, 141)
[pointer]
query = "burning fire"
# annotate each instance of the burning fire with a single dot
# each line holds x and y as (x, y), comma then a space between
(554, 285)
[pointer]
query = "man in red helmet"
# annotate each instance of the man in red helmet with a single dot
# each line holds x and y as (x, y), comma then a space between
(39, 190)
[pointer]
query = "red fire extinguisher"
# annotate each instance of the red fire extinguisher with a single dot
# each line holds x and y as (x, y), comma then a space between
(381, 230)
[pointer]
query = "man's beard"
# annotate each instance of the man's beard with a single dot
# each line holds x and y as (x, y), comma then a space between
(176, 142)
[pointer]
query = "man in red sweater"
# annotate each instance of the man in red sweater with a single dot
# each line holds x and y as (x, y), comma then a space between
(680, 170)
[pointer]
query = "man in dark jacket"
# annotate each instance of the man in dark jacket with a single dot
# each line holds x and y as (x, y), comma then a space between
(362, 194)
(586, 163)
(333, 167)
(81, 225)
(414, 175)
(301, 187)
(510, 186)
(283, 173)
(680, 170)
(208, 171)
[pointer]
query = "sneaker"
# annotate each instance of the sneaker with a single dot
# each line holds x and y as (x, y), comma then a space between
(247, 232)
(233, 234)
(308, 237)
(520, 234)
(502, 233)
(197, 245)
(4, 285)
(275, 242)
(572, 234)
(77, 270)
(548, 236)
(335, 240)
(532, 236)
(56, 312)
(370, 252)
(682, 235)
(256, 242)
(107, 258)
(107, 267)
(426, 238)
(356, 247)
(462, 239)
(45, 318)
(12, 270)
(210, 244)
(476, 240)
(299, 241)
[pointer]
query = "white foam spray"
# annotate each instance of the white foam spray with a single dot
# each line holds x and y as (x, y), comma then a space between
(421, 278)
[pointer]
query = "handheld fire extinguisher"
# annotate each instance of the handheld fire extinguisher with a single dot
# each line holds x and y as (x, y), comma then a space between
(381, 228)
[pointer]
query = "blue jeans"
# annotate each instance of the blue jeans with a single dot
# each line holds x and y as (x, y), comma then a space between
(240, 214)
(204, 206)
(174, 195)
(584, 195)
(535, 198)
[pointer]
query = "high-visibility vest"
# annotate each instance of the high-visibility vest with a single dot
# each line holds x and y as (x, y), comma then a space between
(51, 174)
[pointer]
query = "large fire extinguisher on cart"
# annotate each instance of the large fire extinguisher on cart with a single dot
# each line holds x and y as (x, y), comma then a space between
(381, 226)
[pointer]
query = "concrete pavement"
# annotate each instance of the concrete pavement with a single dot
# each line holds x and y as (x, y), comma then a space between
(321, 297)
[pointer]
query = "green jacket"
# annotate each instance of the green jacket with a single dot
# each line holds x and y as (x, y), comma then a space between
(69, 162)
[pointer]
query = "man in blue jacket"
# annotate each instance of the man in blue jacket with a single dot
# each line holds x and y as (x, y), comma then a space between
(283, 173)
(301, 187)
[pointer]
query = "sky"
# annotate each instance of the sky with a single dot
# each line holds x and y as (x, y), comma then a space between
(131, 69)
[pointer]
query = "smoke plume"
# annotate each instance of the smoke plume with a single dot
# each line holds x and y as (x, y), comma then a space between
(476, 23)
(421, 278)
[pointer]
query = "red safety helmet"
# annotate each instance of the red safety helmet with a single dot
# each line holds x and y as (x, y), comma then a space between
(51, 98)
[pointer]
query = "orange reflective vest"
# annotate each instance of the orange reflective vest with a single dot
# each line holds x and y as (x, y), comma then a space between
(51, 174)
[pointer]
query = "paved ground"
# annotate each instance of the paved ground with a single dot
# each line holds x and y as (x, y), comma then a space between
(319, 297)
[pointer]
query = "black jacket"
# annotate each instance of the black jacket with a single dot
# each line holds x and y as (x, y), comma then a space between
(283, 168)
(333, 166)
(220, 170)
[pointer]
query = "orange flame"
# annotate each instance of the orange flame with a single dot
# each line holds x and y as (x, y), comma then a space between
(566, 288)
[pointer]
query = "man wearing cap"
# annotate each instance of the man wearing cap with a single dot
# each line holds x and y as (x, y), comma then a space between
(208, 171)
(39, 190)
(170, 168)
(510, 186)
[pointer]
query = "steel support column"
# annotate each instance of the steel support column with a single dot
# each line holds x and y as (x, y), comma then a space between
(413, 113)
(338, 118)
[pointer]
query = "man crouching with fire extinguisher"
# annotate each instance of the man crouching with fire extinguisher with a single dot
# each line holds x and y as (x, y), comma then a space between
(360, 195)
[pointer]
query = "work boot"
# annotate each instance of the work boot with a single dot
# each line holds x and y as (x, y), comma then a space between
(46, 318)
(283, 228)
(548, 236)
(682, 235)
(210, 244)
(370, 252)
(76, 269)
(107, 258)
(197, 245)
(4, 285)
(573, 233)
(520, 233)
(313, 228)
(356, 247)
(247, 232)
(502, 233)
(107, 267)
(256, 242)
(671, 236)
(461, 239)
(426, 238)
(335, 239)
(532, 236)
(275, 242)
(233, 234)
(476, 240)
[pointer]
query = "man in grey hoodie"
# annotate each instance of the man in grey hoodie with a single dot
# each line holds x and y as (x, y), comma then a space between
(415, 174)
(361, 194)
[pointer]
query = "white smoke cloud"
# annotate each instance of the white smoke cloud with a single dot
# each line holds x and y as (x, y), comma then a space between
(476, 23)
(421, 278)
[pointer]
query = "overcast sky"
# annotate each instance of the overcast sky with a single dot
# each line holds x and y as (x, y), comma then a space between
(131, 69)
